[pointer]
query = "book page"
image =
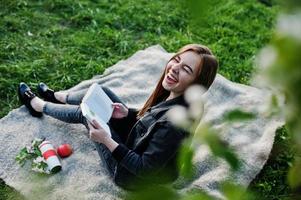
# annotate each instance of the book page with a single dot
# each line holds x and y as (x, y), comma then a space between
(98, 102)
(92, 116)
(96, 105)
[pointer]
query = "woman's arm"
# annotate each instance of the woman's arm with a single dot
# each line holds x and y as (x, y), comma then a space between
(98, 134)
(161, 148)
(120, 111)
(110, 143)
(124, 125)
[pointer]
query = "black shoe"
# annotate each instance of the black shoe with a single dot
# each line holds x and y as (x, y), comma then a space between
(46, 93)
(25, 96)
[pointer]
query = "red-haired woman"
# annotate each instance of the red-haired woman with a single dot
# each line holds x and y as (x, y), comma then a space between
(144, 143)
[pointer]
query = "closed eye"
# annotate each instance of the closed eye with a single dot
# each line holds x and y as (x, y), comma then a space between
(188, 69)
(176, 59)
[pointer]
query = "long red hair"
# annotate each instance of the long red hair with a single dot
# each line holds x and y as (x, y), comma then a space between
(208, 66)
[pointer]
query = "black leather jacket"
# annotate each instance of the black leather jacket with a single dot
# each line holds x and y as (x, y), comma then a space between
(151, 145)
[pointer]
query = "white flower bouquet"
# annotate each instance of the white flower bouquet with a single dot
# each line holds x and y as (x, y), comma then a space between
(33, 154)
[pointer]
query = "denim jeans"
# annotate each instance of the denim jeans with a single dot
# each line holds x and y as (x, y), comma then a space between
(71, 113)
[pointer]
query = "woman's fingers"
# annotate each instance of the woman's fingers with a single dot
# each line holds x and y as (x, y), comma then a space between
(90, 125)
(96, 124)
(118, 105)
(116, 108)
(92, 135)
(93, 125)
(91, 130)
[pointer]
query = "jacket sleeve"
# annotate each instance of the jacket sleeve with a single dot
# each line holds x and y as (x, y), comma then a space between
(124, 125)
(162, 146)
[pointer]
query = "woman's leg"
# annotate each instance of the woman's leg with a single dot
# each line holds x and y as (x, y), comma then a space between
(107, 158)
(73, 114)
(106, 155)
(75, 98)
(65, 112)
(70, 113)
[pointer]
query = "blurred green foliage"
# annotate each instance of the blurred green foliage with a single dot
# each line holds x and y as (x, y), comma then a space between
(271, 182)
(63, 42)
(153, 192)
(281, 69)
(219, 148)
(238, 115)
(236, 192)
(185, 159)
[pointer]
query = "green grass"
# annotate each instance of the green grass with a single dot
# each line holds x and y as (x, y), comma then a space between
(8, 193)
(271, 182)
(63, 42)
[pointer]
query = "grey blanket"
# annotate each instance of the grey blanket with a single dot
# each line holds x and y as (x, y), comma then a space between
(133, 79)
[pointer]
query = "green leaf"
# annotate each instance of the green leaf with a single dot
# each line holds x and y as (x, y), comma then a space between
(33, 153)
(232, 192)
(153, 192)
(221, 149)
(197, 195)
(238, 115)
(22, 156)
(37, 152)
(294, 174)
(185, 160)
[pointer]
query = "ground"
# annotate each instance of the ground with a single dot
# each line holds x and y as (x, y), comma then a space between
(62, 42)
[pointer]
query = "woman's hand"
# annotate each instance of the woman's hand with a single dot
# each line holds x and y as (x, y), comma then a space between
(119, 110)
(97, 133)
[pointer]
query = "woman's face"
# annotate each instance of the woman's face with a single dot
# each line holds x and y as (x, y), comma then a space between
(181, 71)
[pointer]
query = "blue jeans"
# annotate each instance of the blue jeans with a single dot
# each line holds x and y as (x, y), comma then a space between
(71, 113)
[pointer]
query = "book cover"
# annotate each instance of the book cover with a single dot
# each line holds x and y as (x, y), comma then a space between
(96, 105)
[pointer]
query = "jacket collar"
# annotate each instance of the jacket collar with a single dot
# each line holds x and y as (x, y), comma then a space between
(180, 100)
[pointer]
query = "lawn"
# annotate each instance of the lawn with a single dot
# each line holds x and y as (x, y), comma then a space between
(62, 42)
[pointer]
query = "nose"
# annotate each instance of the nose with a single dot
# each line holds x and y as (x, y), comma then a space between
(175, 68)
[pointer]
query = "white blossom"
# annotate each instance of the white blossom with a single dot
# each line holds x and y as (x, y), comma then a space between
(29, 33)
(178, 115)
(29, 149)
(37, 169)
(196, 110)
(290, 25)
(194, 93)
(266, 57)
(39, 159)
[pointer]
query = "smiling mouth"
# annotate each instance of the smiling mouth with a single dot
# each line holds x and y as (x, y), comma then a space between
(170, 79)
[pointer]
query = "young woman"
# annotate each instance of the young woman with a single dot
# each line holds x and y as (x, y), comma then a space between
(144, 143)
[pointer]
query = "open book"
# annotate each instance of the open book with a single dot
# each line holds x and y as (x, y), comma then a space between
(96, 105)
